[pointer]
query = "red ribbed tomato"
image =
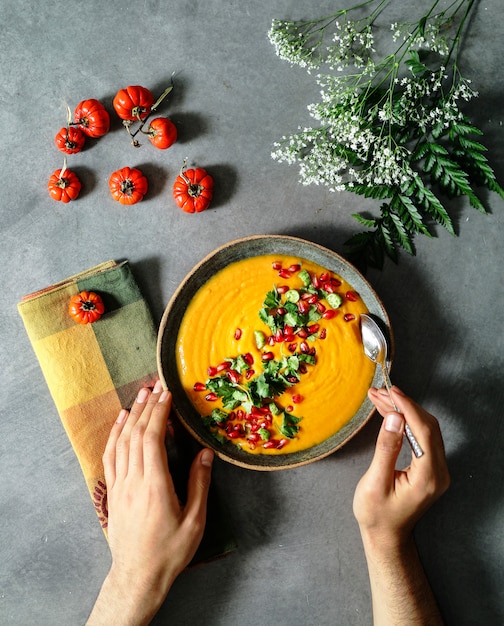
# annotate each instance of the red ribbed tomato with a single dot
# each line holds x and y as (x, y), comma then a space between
(92, 118)
(162, 133)
(128, 185)
(86, 307)
(133, 103)
(70, 140)
(64, 185)
(193, 190)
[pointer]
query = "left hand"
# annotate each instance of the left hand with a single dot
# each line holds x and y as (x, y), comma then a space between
(152, 537)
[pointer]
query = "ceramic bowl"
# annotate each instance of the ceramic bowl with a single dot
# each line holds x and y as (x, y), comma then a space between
(168, 332)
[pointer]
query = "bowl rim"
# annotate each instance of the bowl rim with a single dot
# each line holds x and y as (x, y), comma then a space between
(229, 451)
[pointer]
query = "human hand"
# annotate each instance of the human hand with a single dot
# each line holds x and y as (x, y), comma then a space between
(152, 537)
(388, 502)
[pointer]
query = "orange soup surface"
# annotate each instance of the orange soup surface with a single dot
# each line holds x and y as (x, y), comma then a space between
(270, 354)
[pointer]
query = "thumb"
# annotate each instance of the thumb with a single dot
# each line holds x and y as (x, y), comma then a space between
(199, 484)
(388, 446)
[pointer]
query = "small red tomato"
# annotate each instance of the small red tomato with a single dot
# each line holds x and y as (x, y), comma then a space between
(133, 103)
(162, 133)
(128, 185)
(70, 140)
(92, 118)
(86, 307)
(193, 190)
(64, 185)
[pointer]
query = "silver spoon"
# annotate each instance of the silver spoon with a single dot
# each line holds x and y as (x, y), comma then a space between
(375, 348)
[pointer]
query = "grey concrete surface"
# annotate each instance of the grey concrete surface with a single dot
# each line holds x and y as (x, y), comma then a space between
(300, 560)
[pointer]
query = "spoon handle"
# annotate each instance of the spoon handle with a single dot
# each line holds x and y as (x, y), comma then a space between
(415, 446)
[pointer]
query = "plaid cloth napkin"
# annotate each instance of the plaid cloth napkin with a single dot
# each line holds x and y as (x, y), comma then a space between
(94, 370)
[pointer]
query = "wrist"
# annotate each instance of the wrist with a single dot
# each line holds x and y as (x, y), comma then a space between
(128, 600)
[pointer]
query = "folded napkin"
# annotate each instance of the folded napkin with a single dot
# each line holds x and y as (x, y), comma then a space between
(94, 370)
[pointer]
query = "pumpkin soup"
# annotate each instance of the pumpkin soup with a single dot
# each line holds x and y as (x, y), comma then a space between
(269, 352)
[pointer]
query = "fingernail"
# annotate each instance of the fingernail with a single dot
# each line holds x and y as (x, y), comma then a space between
(143, 394)
(164, 396)
(123, 414)
(207, 458)
(394, 423)
(158, 387)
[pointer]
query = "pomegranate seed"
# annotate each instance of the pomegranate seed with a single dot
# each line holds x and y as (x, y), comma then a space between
(249, 374)
(283, 288)
(279, 336)
(211, 397)
(248, 358)
(302, 333)
(352, 296)
(320, 307)
(297, 398)
(270, 340)
(313, 299)
(212, 371)
(303, 306)
(304, 347)
(306, 295)
(324, 277)
(225, 365)
(329, 314)
(349, 317)
(288, 330)
(254, 437)
(292, 379)
(238, 428)
(323, 333)
(281, 310)
(238, 333)
(295, 267)
(289, 408)
(233, 434)
(233, 376)
(267, 356)
(276, 265)
(315, 281)
(328, 287)
(284, 274)
(255, 427)
(272, 443)
(302, 368)
(231, 416)
(335, 282)
(240, 414)
(292, 347)
(282, 443)
(264, 410)
(199, 387)
(313, 328)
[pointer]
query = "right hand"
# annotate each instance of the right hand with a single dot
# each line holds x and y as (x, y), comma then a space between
(388, 502)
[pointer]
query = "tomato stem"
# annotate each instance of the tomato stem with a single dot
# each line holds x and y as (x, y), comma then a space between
(128, 123)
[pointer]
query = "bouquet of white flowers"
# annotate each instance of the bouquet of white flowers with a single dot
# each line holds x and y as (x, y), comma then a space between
(389, 129)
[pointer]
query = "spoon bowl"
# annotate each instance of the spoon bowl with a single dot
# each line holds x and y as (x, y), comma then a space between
(376, 348)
